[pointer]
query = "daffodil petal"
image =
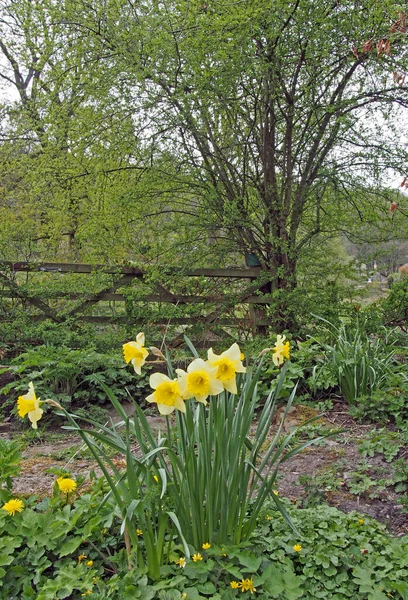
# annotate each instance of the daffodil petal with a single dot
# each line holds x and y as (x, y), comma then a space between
(156, 379)
(164, 409)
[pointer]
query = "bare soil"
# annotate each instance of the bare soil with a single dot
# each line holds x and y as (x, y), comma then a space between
(329, 466)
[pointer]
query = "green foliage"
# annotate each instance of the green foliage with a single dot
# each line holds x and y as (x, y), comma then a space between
(383, 441)
(395, 306)
(360, 364)
(10, 458)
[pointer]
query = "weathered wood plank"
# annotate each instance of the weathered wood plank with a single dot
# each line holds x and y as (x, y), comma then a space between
(159, 320)
(128, 270)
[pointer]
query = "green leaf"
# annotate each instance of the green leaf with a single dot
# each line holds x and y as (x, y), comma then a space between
(70, 546)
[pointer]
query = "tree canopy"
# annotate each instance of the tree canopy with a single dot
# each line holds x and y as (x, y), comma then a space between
(257, 126)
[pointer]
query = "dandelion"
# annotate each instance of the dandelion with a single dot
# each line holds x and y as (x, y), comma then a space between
(167, 394)
(297, 547)
(281, 350)
(136, 353)
(247, 585)
(29, 405)
(197, 557)
(228, 365)
(12, 506)
(206, 546)
(66, 484)
(181, 562)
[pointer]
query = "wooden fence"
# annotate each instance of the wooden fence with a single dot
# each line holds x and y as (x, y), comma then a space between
(225, 298)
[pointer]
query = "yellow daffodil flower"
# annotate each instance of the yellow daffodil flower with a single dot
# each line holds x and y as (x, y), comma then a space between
(66, 485)
(228, 365)
(197, 557)
(199, 381)
(29, 405)
(136, 353)
(281, 350)
(12, 506)
(167, 394)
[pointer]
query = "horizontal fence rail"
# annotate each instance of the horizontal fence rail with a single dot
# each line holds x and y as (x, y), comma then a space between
(220, 307)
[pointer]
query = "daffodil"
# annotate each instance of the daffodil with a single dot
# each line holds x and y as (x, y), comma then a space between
(228, 365)
(66, 484)
(199, 381)
(12, 506)
(166, 394)
(29, 405)
(136, 353)
(281, 350)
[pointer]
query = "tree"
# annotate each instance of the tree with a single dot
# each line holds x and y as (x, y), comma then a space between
(279, 118)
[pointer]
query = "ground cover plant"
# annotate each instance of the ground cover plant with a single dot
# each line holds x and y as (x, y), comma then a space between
(136, 517)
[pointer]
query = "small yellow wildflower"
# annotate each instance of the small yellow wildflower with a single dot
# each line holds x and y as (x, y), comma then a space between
(139, 532)
(82, 557)
(297, 547)
(206, 546)
(360, 521)
(247, 585)
(66, 484)
(156, 478)
(184, 595)
(235, 585)
(181, 562)
(12, 506)
(197, 557)
(275, 492)
(268, 518)
(87, 593)
(89, 563)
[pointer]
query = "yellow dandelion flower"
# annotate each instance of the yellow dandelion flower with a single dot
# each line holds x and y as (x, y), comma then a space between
(197, 557)
(12, 506)
(297, 547)
(206, 546)
(66, 484)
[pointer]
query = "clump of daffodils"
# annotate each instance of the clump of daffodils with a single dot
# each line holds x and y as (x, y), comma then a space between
(203, 378)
